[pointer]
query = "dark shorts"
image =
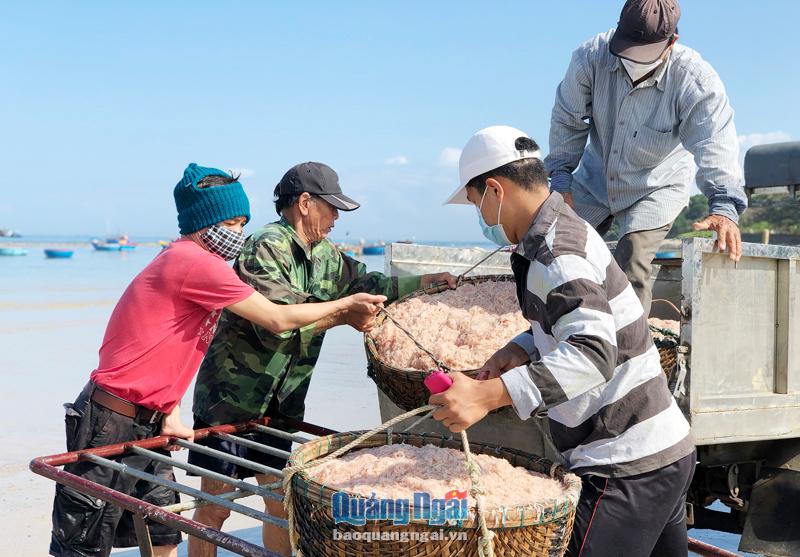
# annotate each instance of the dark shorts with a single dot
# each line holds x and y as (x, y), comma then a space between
(234, 470)
(636, 516)
(85, 526)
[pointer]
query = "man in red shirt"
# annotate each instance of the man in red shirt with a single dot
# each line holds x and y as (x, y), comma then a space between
(155, 340)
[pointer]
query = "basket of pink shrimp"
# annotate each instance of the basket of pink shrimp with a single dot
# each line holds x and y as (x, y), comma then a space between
(462, 328)
(394, 494)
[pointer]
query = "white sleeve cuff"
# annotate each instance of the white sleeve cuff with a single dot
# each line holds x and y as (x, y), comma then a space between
(526, 342)
(525, 395)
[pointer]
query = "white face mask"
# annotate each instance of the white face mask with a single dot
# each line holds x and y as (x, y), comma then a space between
(637, 71)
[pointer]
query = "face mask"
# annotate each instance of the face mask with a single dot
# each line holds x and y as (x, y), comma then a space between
(224, 242)
(494, 234)
(637, 71)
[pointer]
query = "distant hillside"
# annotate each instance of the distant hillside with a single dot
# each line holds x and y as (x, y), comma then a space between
(778, 213)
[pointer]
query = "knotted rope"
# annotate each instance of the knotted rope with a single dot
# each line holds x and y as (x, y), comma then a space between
(486, 539)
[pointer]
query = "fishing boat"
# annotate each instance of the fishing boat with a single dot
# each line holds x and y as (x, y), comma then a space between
(375, 249)
(349, 250)
(8, 233)
(58, 253)
(13, 251)
(105, 246)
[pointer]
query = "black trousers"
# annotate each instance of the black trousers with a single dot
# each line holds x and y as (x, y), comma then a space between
(636, 516)
(87, 527)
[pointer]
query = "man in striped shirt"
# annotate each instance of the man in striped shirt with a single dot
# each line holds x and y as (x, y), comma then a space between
(648, 107)
(588, 358)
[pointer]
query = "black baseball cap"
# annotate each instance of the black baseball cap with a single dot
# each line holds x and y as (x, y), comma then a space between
(645, 29)
(317, 179)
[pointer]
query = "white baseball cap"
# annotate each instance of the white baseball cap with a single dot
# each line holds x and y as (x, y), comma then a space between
(488, 149)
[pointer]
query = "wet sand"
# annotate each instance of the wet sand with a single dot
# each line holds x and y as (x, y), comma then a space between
(35, 431)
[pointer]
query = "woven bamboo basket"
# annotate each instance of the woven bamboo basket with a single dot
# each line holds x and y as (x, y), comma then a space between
(667, 343)
(668, 352)
(405, 387)
(536, 531)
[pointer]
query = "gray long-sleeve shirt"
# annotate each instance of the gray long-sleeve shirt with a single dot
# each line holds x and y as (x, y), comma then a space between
(637, 164)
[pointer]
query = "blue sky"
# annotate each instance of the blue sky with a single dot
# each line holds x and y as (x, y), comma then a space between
(104, 103)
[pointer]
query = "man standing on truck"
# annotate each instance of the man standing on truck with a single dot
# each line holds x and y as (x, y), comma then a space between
(647, 106)
(251, 372)
(588, 359)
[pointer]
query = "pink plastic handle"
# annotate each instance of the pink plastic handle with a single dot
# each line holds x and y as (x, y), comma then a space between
(438, 382)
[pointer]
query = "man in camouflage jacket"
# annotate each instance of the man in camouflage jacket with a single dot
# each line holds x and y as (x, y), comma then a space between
(250, 372)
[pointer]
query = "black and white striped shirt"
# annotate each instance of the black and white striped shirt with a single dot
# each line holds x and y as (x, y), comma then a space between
(594, 366)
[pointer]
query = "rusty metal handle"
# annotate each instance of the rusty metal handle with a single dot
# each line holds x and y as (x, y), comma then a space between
(707, 550)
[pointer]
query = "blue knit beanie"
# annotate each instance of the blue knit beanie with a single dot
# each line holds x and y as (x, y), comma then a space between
(202, 207)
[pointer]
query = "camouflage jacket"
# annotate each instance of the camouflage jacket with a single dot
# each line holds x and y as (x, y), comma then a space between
(249, 372)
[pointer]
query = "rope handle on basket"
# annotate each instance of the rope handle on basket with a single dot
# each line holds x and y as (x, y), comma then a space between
(667, 332)
(485, 542)
(670, 304)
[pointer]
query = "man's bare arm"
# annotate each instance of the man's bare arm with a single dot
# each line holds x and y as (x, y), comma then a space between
(278, 318)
